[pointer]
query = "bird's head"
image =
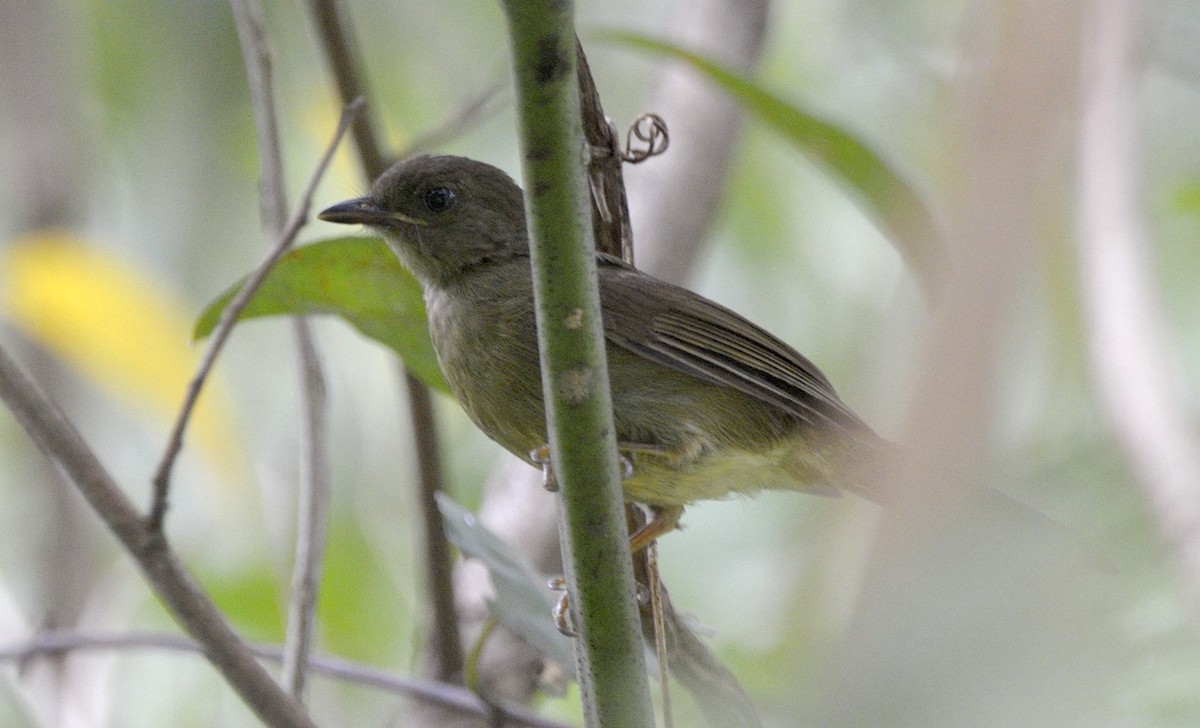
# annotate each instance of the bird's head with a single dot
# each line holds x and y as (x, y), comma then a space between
(442, 215)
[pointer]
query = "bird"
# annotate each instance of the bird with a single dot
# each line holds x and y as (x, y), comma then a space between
(706, 404)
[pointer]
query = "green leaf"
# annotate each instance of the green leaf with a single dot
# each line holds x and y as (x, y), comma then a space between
(359, 579)
(890, 199)
(1186, 198)
(250, 598)
(356, 278)
(522, 601)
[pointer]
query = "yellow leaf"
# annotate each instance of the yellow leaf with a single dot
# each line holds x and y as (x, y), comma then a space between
(116, 327)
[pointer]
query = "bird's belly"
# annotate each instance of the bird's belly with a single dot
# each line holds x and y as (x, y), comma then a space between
(674, 481)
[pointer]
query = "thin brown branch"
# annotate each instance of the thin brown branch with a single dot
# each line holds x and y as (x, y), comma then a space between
(229, 316)
(183, 598)
(444, 639)
(444, 651)
(613, 234)
(472, 111)
(452, 696)
(312, 512)
(313, 492)
(256, 55)
(610, 207)
(344, 64)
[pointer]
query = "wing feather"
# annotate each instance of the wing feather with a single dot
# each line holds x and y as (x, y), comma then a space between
(686, 332)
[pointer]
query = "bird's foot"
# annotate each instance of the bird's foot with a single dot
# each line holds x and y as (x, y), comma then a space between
(540, 456)
(562, 608)
(626, 466)
(662, 521)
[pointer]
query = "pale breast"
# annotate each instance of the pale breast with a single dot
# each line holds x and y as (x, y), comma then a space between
(486, 343)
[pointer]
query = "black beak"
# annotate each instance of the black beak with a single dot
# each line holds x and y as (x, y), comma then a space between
(360, 211)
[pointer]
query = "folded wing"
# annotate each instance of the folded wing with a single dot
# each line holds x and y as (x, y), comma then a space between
(686, 332)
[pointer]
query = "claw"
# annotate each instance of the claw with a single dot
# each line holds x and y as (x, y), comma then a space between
(642, 594)
(541, 456)
(562, 608)
(626, 466)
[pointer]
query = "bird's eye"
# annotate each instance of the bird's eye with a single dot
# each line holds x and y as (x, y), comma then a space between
(440, 199)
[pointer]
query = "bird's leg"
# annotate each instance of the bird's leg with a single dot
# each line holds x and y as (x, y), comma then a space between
(665, 518)
(540, 456)
(662, 521)
(562, 608)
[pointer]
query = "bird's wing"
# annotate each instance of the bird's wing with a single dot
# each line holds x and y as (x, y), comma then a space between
(684, 331)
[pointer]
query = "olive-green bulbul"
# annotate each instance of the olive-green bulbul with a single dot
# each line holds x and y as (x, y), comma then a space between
(705, 403)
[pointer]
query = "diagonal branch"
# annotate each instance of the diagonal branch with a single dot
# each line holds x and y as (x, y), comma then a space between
(184, 599)
(162, 476)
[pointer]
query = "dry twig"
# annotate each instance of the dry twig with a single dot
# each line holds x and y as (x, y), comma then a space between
(162, 476)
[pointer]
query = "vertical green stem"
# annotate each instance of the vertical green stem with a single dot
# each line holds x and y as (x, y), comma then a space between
(612, 668)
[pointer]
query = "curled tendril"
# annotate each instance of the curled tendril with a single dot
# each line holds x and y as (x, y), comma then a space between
(652, 139)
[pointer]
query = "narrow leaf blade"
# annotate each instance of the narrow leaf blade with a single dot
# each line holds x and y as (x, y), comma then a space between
(889, 198)
(522, 603)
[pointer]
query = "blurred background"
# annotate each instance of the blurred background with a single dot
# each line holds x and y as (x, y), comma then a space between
(128, 201)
